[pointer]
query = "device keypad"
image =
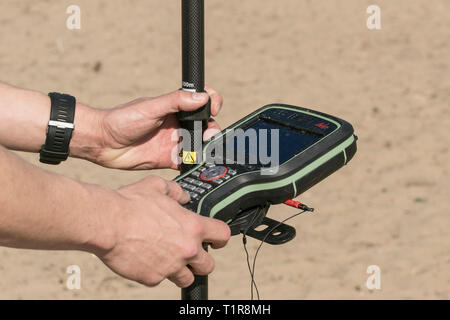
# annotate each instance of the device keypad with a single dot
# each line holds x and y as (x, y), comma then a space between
(213, 173)
(190, 187)
(193, 195)
(196, 187)
(206, 186)
(200, 190)
(196, 174)
(197, 183)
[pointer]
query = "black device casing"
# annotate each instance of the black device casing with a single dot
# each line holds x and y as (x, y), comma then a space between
(279, 195)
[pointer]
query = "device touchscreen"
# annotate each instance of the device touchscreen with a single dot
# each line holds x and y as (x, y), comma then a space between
(266, 144)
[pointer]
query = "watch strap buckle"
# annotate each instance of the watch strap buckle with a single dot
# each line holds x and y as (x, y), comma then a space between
(61, 125)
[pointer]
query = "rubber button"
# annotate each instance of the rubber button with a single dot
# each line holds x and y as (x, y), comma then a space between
(213, 173)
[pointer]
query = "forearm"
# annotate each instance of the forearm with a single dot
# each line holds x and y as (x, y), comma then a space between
(41, 210)
(24, 117)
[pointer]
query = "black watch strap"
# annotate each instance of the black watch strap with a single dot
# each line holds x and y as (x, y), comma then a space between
(59, 130)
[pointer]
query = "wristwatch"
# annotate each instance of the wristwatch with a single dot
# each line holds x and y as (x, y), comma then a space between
(59, 129)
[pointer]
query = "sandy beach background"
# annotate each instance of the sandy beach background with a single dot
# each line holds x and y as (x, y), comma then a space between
(389, 207)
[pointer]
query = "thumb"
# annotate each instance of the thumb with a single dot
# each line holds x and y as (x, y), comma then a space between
(179, 101)
(138, 118)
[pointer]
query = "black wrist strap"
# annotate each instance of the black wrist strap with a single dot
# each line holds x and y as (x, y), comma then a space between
(59, 130)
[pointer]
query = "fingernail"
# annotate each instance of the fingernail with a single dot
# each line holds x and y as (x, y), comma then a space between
(199, 96)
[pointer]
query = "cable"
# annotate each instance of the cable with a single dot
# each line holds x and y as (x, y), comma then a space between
(253, 283)
(252, 269)
(244, 241)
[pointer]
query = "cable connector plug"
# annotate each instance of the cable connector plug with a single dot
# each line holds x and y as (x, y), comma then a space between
(298, 205)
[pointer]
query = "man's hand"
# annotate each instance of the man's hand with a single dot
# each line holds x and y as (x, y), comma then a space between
(136, 135)
(140, 134)
(156, 238)
(140, 231)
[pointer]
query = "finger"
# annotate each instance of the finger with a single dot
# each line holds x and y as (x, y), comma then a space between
(203, 264)
(176, 152)
(216, 100)
(147, 186)
(213, 129)
(175, 192)
(212, 124)
(178, 101)
(215, 232)
(183, 278)
(168, 188)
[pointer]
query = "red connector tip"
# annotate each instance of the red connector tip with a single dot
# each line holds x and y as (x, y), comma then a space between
(298, 205)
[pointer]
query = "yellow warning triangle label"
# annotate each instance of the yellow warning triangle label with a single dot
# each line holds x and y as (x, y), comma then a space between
(189, 157)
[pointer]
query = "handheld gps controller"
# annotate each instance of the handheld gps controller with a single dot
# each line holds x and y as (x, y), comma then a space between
(311, 145)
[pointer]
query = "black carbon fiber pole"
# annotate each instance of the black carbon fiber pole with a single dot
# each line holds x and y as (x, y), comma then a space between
(193, 46)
